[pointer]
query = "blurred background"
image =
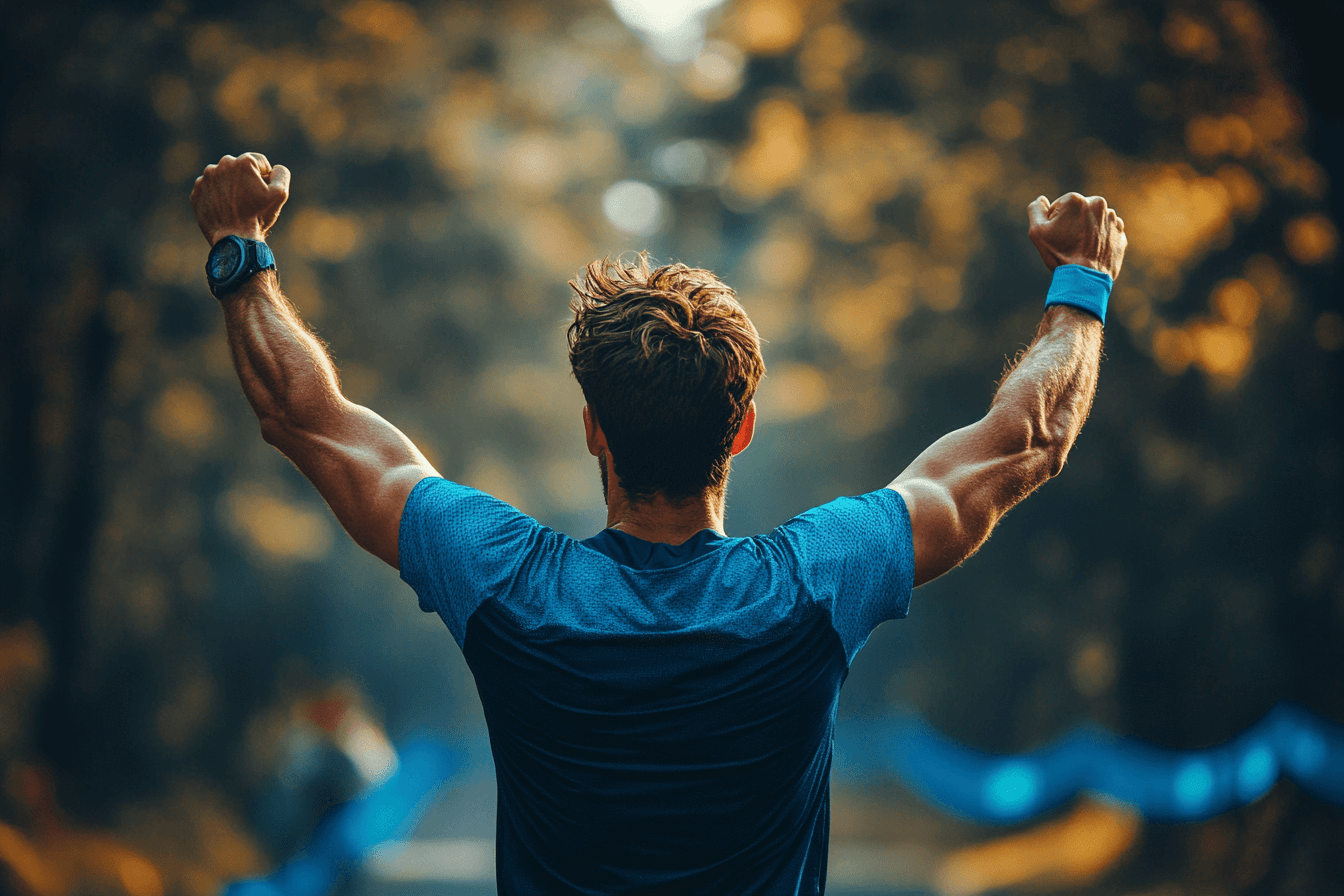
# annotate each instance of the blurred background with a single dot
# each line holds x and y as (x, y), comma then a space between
(196, 663)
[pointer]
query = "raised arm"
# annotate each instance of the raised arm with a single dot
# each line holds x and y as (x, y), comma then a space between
(363, 466)
(962, 484)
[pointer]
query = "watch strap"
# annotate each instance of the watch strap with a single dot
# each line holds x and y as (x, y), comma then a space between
(257, 256)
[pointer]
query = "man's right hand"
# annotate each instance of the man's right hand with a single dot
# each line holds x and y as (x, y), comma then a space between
(240, 197)
(1078, 230)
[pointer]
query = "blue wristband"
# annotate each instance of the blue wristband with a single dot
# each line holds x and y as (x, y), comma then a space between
(1081, 287)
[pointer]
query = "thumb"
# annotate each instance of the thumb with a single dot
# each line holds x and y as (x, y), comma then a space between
(1038, 212)
(279, 179)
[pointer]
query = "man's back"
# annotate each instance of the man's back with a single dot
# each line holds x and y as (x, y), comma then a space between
(660, 738)
(661, 716)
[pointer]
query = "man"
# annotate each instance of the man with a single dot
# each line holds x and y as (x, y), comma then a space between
(660, 697)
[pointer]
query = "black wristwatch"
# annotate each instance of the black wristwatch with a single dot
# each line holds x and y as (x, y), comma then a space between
(233, 260)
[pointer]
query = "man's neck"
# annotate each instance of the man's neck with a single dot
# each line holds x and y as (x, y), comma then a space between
(660, 520)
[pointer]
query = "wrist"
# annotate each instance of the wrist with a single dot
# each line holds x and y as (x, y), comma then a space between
(1080, 286)
(233, 261)
(247, 233)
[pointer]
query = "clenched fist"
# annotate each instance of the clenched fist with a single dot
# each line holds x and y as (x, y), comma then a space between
(240, 196)
(1078, 230)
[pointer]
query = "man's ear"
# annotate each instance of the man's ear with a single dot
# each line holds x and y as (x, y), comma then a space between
(592, 430)
(745, 431)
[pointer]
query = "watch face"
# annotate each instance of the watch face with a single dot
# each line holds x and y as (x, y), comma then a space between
(225, 259)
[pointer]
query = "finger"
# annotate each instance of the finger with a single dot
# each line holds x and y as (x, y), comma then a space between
(263, 164)
(1038, 212)
(279, 179)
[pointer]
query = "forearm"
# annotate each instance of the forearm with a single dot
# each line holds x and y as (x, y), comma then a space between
(285, 371)
(1043, 401)
(959, 488)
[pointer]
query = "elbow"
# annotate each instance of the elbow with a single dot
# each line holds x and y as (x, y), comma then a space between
(274, 431)
(1052, 449)
(1049, 449)
(1054, 460)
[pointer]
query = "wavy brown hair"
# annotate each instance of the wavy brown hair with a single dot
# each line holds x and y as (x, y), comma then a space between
(668, 363)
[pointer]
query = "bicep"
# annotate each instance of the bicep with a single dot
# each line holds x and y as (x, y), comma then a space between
(364, 468)
(959, 487)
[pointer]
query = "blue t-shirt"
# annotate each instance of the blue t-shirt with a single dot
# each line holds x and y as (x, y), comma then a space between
(661, 716)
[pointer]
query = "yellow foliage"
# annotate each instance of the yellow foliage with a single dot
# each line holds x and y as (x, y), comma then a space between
(768, 27)
(185, 415)
(1222, 349)
(1237, 301)
(1311, 239)
(384, 19)
(777, 153)
(276, 528)
(1069, 852)
(792, 392)
(325, 235)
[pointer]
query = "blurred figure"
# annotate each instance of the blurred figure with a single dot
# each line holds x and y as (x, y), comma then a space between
(327, 751)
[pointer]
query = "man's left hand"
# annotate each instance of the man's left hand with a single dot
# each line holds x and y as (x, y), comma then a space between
(240, 196)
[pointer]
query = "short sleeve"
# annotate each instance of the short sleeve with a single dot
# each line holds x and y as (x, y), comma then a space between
(459, 547)
(855, 557)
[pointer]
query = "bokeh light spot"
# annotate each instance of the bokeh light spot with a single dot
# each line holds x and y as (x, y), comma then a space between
(716, 74)
(1257, 772)
(673, 29)
(1011, 789)
(768, 27)
(1002, 121)
(792, 392)
(642, 98)
(1193, 787)
(1237, 301)
(325, 235)
(185, 415)
(826, 57)
(1173, 349)
(277, 529)
(1221, 349)
(1311, 239)
(385, 19)
(1188, 36)
(782, 260)
(1243, 188)
(778, 150)
(633, 207)
(685, 162)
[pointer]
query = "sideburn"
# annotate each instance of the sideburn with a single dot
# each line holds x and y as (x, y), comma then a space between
(602, 471)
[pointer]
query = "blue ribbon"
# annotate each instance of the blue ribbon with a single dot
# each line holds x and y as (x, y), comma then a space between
(1160, 784)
